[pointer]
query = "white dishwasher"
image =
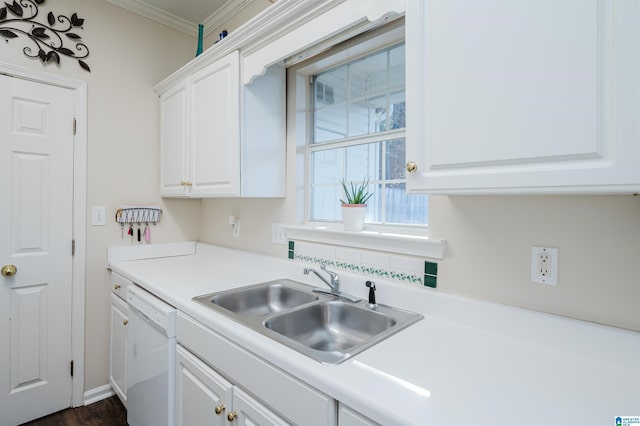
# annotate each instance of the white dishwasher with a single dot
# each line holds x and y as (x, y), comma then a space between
(150, 360)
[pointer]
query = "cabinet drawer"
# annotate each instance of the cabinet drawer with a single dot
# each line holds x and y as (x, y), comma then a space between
(120, 285)
(293, 399)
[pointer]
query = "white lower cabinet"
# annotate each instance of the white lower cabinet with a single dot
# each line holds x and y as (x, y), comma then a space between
(204, 397)
(118, 338)
(349, 417)
(214, 372)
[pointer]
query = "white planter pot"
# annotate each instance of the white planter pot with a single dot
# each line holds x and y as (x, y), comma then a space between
(353, 216)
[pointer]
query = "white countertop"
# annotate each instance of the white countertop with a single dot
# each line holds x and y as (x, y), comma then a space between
(466, 362)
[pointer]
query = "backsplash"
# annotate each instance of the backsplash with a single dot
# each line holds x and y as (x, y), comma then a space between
(402, 268)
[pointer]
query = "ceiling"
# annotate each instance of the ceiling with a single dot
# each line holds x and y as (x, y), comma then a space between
(185, 15)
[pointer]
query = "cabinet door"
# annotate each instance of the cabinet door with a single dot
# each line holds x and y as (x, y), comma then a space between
(250, 412)
(523, 96)
(349, 417)
(214, 94)
(174, 141)
(118, 348)
(203, 397)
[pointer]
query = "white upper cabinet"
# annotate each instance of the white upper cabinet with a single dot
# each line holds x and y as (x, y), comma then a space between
(220, 140)
(530, 96)
(214, 122)
(174, 143)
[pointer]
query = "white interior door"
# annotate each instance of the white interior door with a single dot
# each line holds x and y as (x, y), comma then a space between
(36, 189)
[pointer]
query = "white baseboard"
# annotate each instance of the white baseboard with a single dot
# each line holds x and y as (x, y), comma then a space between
(98, 394)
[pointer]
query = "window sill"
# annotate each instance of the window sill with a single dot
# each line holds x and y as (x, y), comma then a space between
(371, 240)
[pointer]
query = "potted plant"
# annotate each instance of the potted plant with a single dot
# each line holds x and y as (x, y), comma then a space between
(354, 205)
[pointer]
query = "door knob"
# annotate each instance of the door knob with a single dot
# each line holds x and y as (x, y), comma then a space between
(9, 270)
(411, 167)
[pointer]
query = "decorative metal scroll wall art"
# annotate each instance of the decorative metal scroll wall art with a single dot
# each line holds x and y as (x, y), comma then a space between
(47, 40)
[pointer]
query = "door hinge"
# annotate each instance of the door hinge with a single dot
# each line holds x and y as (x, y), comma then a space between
(74, 125)
(73, 247)
(71, 368)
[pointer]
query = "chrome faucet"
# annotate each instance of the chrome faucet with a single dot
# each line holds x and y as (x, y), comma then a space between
(333, 282)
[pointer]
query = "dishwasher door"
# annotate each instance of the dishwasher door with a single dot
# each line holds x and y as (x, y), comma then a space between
(150, 369)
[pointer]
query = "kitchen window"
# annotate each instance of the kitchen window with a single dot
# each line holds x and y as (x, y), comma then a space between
(346, 118)
(357, 132)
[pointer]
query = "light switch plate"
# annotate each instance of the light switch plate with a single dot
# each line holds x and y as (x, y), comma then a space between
(278, 235)
(98, 216)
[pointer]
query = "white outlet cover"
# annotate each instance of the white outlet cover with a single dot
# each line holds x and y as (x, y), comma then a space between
(278, 235)
(536, 275)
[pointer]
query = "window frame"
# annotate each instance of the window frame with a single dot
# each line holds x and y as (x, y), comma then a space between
(356, 48)
(343, 143)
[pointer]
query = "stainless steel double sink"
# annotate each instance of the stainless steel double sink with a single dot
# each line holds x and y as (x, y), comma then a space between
(321, 326)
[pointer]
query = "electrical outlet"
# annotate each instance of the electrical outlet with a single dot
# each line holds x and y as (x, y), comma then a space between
(236, 229)
(544, 265)
(278, 235)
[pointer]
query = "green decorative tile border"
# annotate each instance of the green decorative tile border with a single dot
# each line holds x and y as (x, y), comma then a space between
(430, 268)
(366, 270)
(291, 249)
(431, 281)
(430, 274)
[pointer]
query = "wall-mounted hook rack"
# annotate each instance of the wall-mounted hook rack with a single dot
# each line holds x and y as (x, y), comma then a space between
(135, 214)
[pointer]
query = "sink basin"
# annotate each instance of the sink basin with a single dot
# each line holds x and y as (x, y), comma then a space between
(321, 326)
(333, 331)
(330, 326)
(260, 299)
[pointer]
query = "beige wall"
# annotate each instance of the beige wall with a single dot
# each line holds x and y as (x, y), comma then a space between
(489, 243)
(489, 252)
(128, 55)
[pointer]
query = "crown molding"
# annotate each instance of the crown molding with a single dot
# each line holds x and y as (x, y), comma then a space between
(226, 12)
(148, 11)
(222, 15)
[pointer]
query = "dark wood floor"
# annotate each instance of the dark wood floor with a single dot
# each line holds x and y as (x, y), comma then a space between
(108, 412)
